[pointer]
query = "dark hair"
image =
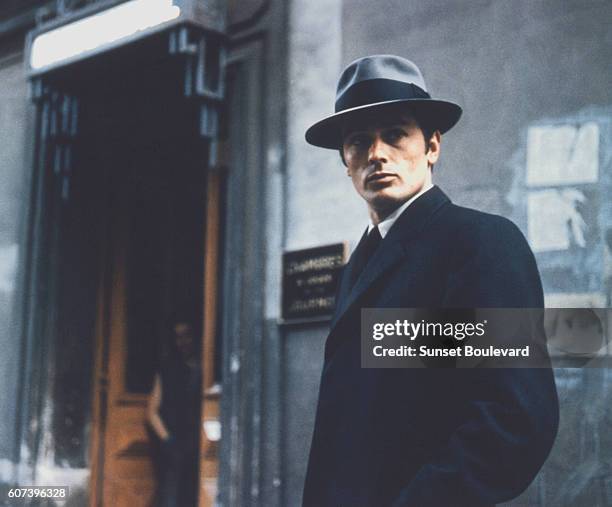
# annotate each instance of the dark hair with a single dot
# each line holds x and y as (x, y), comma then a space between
(426, 128)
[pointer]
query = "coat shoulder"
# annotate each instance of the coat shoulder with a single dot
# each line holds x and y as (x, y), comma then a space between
(476, 227)
(471, 219)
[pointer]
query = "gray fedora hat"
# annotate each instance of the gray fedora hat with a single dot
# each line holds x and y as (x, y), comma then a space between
(376, 82)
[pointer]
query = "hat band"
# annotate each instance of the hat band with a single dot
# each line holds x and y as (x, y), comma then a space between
(373, 91)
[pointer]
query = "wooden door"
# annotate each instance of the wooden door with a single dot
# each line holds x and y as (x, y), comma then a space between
(122, 466)
(211, 387)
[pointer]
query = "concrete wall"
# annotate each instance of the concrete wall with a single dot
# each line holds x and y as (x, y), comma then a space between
(14, 179)
(320, 208)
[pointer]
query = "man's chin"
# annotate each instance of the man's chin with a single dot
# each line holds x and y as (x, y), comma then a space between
(386, 204)
(388, 198)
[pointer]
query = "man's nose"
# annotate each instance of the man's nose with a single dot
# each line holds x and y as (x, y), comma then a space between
(378, 153)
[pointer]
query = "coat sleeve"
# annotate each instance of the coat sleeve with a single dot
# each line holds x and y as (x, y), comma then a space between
(510, 422)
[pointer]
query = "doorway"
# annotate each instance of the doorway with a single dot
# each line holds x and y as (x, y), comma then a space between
(147, 206)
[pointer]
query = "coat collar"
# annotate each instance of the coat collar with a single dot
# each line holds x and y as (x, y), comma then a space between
(392, 249)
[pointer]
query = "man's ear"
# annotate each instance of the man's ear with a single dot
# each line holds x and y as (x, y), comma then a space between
(341, 152)
(433, 148)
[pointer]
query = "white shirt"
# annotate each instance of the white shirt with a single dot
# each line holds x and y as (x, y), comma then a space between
(386, 224)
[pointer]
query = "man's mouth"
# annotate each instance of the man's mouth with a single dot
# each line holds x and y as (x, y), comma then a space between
(379, 176)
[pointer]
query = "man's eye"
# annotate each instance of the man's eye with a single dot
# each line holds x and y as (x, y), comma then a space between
(394, 135)
(358, 141)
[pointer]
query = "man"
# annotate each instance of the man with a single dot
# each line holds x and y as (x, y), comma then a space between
(420, 437)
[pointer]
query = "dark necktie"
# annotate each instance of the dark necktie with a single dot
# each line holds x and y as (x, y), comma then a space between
(363, 253)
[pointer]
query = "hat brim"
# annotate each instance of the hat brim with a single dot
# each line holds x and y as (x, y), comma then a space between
(327, 133)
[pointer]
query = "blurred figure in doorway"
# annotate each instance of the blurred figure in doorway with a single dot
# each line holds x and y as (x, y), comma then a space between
(173, 414)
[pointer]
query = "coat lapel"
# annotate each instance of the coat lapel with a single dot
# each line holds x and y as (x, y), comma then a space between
(392, 250)
(347, 276)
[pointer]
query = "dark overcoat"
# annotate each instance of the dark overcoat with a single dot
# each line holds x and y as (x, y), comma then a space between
(431, 437)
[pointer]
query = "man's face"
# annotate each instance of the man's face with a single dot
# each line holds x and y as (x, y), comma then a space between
(388, 160)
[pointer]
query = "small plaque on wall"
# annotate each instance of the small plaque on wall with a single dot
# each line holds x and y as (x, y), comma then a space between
(310, 278)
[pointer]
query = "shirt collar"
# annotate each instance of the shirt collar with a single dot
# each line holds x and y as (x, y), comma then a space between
(385, 225)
